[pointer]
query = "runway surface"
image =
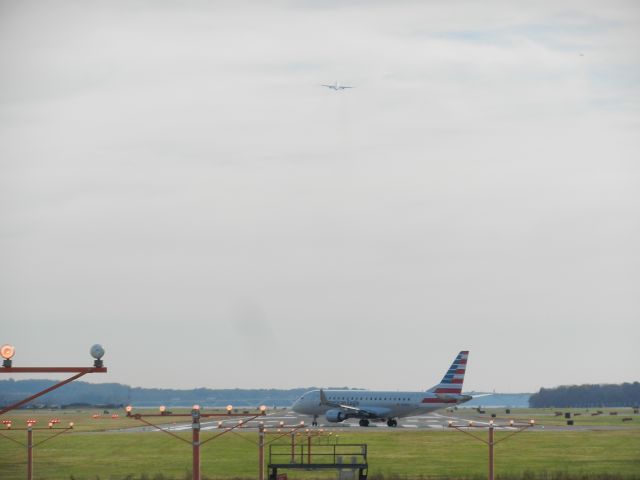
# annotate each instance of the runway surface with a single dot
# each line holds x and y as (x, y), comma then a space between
(287, 419)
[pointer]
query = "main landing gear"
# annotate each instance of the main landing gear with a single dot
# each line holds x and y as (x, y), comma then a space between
(364, 422)
(314, 423)
(392, 423)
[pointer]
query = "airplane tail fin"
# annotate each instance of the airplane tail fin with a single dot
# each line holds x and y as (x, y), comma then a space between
(451, 383)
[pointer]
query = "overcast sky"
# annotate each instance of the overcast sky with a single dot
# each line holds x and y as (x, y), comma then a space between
(176, 184)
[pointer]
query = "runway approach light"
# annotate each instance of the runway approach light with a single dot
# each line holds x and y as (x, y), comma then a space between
(511, 422)
(450, 423)
(97, 352)
(532, 422)
(162, 409)
(262, 409)
(71, 424)
(196, 407)
(128, 408)
(7, 352)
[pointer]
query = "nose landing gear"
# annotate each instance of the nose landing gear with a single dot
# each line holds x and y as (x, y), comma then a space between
(392, 423)
(364, 422)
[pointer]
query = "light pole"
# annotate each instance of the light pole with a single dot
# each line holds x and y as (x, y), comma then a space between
(262, 443)
(491, 442)
(30, 445)
(195, 415)
(195, 428)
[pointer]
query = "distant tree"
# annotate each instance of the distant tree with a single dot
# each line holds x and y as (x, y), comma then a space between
(12, 391)
(591, 396)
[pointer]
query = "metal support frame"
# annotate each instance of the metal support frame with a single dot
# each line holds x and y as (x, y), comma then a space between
(195, 442)
(325, 457)
(7, 367)
(81, 371)
(491, 442)
(30, 445)
(262, 443)
(304, 459)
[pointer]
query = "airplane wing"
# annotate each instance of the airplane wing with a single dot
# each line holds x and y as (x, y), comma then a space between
(373, 412)
(342, 86)
(328, 86)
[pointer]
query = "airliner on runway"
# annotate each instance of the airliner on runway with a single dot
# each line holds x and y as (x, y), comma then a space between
(339, 405)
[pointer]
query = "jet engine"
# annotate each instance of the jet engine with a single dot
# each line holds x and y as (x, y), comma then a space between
(335, 416)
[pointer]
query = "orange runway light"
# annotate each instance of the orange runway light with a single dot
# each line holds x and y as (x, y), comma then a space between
(7, 351)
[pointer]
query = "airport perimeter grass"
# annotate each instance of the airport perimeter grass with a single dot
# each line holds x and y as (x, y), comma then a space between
(392, 454)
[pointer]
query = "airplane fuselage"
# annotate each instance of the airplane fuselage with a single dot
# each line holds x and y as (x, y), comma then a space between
(336, 86)
(340, 405)
(384, 403)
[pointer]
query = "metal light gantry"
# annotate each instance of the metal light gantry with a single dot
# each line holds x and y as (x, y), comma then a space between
(30, 445)
(324, 457)
(195, 416)
(7, 352)
(491, 442)
(291, 430)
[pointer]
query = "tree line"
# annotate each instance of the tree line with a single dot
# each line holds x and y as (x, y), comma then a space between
(78, 392)
(586, 396)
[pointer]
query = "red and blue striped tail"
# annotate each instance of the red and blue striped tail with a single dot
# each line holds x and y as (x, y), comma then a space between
(451, 383)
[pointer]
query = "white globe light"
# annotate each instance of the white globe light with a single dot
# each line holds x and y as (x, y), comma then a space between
(97, 351)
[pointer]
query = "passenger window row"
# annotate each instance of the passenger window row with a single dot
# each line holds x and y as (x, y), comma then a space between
(369, 398)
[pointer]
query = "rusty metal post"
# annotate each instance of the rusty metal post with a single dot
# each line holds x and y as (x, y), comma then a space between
(308, 447)
(29, 453)
(293, 446)
(261, 451)
(195, 426)
(491, 444)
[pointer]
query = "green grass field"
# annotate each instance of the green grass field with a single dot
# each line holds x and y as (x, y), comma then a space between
(550, 417)
(94, 451)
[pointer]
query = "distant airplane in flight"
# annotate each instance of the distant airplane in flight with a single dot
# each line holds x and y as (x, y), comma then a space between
(336, 86)
(339, 405)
